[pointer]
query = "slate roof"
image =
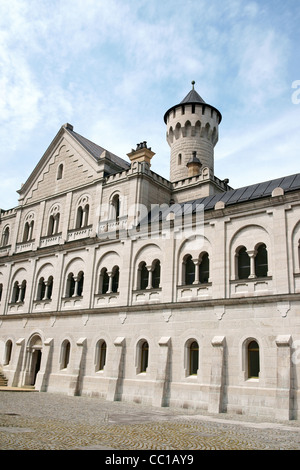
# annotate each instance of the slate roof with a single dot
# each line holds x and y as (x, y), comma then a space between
(234, 196)
(96, 151)
(192, 98)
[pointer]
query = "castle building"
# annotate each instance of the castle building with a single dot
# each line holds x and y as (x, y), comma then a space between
(118, 283)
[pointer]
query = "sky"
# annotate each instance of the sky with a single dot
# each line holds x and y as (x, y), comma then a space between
(112, 68)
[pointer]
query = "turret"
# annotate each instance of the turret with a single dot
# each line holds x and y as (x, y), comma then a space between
(192, 129)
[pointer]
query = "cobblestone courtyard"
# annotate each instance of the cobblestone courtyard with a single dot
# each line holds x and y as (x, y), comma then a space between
(43, 421)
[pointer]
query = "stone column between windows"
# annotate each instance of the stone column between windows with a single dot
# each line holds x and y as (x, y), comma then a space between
(162, 375)
(284, 378)
(216, 389)
(17, 362)
(75, 384)
(116, 375)
(150, 273)
(196, 263)
(42, 378)
(46, 290)
(252, 254)
(110, 281)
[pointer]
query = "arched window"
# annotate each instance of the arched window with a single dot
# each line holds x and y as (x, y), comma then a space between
(49, 288)
(41, 289)
(70, 288)
(253, 359)
(144, 276)
(115, 279)
(189, 270)
(65, 354)
(104, 281)
(28, 231)
(15, 292)
(44, 291)
(82, 218)
(101, 355)
(193, 358)
(144, 356)
(115, 203)
(19, 291)
(243, 263)
(156, 275)
(5, 237)
(79, 281)
(1, 290)
(60, 171)
(23, 291)
(261, 261)
(7, 352)
(204, 268)
(53, 226)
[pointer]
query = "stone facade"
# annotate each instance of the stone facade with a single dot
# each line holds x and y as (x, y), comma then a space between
(194, 308)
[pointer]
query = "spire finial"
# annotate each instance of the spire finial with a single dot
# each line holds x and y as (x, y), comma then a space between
(193, 83)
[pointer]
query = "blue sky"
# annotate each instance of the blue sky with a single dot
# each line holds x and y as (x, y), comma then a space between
(112, 68)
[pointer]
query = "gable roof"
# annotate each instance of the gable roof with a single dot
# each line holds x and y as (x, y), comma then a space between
(96, 151)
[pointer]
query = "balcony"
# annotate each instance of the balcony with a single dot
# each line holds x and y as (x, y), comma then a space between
(251, 287)
(106, 300)
(79, 233)
(146, 296)
(194, 292)
(23, 247)
(51, 240)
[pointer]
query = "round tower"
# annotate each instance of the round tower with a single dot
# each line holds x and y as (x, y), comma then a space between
(192, 133)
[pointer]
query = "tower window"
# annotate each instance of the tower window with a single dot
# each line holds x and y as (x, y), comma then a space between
(179, 159)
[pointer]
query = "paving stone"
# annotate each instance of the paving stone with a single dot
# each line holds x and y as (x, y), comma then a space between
(45, 421)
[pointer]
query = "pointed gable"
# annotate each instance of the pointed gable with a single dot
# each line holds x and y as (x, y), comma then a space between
(70, 161)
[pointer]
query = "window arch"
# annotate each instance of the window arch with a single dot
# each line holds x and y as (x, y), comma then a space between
(144, 357)
(18, 292)
(189, 270)
(101, 350)
(204, 268)
(243, 263)
(143, 276)
(115, 279)
(82, 215)
(5, 236)
(156, 274)
(253, 365)
(115, 207)
(193, 357)
(45, 287)
(28, 231)
(104, 281)
(261, 261)
(70, 287)
(54, 218)
(65, 354)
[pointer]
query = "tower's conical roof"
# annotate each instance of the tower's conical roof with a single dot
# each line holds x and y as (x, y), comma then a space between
(192, 98)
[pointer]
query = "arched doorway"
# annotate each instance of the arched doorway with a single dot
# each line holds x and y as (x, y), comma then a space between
(34, 357)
